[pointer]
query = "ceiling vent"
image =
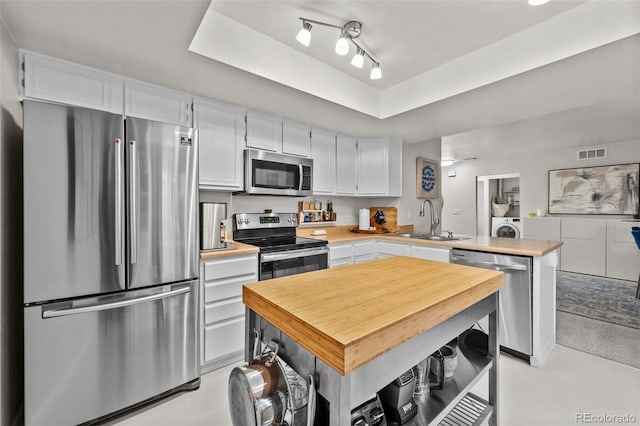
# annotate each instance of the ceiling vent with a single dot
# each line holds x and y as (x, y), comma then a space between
(591, 153)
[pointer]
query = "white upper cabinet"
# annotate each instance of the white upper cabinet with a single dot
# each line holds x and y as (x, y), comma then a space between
(346, 153)
(379, 167)
(151, 102)
(264, 131)
(372, 167)
(323, 152)
(296, 138)
(60, 81)
(221, 140)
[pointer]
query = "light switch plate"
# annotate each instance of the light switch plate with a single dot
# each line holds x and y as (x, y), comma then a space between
(452, 173)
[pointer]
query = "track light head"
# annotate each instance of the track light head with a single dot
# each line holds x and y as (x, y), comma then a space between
(304, 35)
(358, 59)
(376, 72)
(342, 45)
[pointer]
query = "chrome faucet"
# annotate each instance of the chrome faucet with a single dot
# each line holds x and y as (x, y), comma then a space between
(435, 221)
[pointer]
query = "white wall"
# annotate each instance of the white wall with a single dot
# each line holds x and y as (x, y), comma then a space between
(408, 205)
(460, 191)
(11, 353)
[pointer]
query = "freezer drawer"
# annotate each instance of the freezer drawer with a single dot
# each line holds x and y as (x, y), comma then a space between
(90, 357)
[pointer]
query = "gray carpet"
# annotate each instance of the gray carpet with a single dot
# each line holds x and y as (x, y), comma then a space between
(598, 298)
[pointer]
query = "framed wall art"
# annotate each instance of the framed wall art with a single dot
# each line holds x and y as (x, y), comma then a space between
(427, 178)
(595, 190)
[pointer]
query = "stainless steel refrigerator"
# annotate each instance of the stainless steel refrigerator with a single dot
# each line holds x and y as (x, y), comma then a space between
(111, 262)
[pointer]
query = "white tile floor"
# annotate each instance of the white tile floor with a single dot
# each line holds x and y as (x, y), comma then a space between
(571, 382)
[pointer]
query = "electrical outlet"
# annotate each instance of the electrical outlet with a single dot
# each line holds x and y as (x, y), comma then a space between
(408, 214)
(456, 212)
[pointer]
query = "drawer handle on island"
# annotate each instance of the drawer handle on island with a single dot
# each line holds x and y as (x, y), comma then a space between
(480, 264)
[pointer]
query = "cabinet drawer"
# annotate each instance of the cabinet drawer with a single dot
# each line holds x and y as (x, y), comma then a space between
(225, 289)
(585, 229)
(340, 252)
(230, 268)
(364, 248)
(334, 263)
(223, 310)
(223, 338)
(430, 253)
(392, 249)
(364, 257)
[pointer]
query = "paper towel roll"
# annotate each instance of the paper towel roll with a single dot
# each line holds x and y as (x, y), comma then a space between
(363, 222)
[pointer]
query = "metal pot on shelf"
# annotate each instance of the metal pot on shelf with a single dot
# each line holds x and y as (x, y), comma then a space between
(269, 392)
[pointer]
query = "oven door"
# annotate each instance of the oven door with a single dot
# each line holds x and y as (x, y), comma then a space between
(283, 263)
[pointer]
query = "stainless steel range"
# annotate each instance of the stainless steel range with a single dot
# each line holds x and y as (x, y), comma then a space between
(282, 253)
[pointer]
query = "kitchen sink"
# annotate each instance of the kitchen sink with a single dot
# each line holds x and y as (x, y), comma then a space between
(425, 236)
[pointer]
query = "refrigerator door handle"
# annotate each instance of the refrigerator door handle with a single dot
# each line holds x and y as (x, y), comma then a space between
(118, 201)
(133, 210)
(53, 313)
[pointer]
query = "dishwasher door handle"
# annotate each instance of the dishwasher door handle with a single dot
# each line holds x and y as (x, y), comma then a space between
(488, 265)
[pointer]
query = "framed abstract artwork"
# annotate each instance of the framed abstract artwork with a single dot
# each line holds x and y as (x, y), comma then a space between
(427, 178)
(595, 190)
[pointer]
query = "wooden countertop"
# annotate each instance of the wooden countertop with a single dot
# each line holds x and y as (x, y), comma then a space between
(517, 246)
(350, 315)
(233, 249)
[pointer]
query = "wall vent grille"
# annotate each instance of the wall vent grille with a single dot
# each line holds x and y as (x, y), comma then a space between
(591, 153)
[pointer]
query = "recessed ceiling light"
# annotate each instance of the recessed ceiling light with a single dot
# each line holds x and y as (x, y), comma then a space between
(537, 2)
(447, 162)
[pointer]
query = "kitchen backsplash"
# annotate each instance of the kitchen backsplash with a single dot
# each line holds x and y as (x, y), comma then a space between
(346, 208)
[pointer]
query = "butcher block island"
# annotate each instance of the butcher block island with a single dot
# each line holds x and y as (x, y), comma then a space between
(358, 328)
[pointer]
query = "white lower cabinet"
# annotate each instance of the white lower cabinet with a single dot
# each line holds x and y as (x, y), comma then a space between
(364, 251)
(430, 253)
(222, 310)
(623, 255)
(340, 254)
(584, 245)
(388, 249)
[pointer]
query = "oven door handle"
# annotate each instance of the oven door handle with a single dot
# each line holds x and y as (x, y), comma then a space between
(293, 254)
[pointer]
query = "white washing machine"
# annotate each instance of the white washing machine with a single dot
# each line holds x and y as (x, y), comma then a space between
(506, 227)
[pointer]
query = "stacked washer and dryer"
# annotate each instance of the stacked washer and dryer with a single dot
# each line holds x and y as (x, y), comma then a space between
(509, 225)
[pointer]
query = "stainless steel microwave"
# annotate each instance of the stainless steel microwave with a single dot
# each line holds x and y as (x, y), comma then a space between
(268, 173)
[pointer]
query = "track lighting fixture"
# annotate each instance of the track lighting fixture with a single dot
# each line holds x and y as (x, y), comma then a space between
(358, 59)
(376, 72)
(348, 33)
(304, 35)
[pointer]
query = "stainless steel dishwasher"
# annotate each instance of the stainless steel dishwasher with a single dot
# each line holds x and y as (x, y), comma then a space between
(514, 332)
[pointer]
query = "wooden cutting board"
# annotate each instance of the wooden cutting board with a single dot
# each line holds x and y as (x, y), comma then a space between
(390, 213)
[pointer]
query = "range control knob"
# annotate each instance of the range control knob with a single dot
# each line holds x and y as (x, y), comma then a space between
(239, 221)
(247, 221)
(289, 220)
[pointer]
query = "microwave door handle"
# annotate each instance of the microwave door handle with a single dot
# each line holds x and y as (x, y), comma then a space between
(300, 174)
